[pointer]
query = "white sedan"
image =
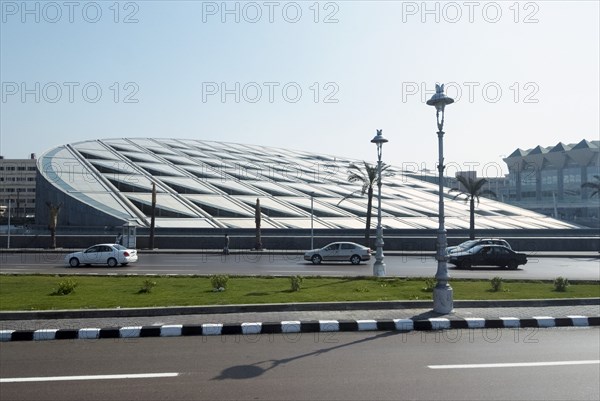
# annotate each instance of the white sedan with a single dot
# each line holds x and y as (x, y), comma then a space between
(339, 252)
(103, 254)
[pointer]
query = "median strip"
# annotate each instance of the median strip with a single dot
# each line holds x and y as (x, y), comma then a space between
(309, 326)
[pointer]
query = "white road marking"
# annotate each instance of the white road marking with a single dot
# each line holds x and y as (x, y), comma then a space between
(90, 377)
(514, 365)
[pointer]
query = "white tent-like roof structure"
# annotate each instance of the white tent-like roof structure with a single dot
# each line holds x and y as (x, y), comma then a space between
(207, 184)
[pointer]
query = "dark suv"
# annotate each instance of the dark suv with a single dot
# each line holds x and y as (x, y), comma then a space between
(487, 255)
(465, 246)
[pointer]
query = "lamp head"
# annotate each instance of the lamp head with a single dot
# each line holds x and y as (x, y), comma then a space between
(379, 139)
(439, 100)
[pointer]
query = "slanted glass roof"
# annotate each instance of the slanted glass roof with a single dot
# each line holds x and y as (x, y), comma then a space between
(187, 185)
(140, 156)
(214, 184)
(318, 207)
(221, 205)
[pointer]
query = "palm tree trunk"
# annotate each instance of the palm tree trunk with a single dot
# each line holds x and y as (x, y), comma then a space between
(472, 219)
(369, 209)
(52, 238)
(257, 220)
(153, 217)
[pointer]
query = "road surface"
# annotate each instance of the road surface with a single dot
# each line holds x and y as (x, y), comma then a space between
(537, 268)
(483, 364)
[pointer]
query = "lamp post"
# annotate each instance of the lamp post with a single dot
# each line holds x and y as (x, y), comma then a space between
(442, 293)
(312, 195)
(379, 266)
(8, 232)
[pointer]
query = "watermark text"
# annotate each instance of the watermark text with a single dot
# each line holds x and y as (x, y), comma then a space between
(453, 12)
(69, 92)
(53, 12)
(253, 12)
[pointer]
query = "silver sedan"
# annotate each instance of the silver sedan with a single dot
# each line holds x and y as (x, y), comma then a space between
(339, 252)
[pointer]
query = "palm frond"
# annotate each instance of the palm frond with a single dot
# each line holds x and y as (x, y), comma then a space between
(472, 188)
(347, 196)
(462, 194)
(463, 180)
(353, 177)
(478, 184)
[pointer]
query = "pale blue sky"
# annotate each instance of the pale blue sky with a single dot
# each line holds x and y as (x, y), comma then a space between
(375, 61)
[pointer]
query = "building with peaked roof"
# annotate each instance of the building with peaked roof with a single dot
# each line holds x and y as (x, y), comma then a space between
(548, 180)
(206, 184)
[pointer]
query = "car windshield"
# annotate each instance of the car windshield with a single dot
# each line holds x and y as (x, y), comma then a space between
(467, 244)
(119, 247)
(475, 249)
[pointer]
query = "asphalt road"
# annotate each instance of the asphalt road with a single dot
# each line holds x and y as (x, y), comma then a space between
(490, 364)
(537, 268)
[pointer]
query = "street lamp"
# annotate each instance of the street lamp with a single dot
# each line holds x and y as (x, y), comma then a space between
(312, 236)
(8, 233)
(379, 266)
(442, 293)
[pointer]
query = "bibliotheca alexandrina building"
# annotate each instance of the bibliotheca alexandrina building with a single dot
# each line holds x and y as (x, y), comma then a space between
(206, 184)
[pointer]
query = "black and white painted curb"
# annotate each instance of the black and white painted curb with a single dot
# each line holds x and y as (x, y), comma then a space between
(284, 327)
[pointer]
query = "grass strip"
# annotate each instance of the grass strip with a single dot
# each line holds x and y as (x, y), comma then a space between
(39, 292)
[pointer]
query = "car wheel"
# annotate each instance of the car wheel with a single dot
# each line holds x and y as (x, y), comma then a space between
(512, 265)
(73, 262)
(355, 259)
(112, 262)
(316, 259)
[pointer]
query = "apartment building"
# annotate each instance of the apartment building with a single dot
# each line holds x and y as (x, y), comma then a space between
(17, 188)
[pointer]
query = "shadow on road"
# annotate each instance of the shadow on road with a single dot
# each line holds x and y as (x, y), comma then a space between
(251, 371)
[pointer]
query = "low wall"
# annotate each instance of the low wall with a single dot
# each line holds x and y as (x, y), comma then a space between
(532, 241)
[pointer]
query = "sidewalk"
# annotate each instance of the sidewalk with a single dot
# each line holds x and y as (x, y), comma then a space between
(263, 319)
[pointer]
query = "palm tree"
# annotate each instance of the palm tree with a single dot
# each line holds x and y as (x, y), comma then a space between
(594, 185)
(367, 176)
(472, 191)
(153, 217)
(257, 220)
(53, 222)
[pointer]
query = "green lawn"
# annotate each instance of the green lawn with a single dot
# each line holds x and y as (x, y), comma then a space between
(36, 292)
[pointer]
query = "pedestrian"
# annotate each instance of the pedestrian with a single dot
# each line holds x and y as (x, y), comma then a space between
(226, 247)
(119, 239)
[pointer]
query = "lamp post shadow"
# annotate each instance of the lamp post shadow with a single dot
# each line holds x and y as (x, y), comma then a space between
(241, 372)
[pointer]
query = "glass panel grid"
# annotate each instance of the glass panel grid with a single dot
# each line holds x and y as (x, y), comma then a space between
(235, 173)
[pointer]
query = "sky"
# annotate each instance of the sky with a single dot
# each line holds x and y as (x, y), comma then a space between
(303, 75)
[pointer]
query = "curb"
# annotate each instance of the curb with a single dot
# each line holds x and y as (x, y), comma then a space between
(291, 327)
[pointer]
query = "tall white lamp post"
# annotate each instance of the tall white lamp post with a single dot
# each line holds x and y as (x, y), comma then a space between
(312, 236)
(8, 233)
(443, 301)
(379, 266)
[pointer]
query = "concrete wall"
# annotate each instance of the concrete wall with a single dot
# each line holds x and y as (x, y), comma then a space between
(299, 240)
